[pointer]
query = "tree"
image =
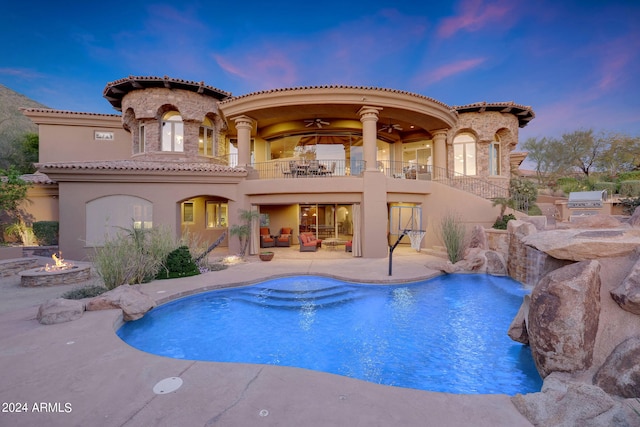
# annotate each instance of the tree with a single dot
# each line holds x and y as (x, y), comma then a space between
(13, 191)
(584, 149)
(22, 152)
(243, 231)
(549, 156)
(621, 155)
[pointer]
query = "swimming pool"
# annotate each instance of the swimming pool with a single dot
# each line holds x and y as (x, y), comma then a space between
(445, 334)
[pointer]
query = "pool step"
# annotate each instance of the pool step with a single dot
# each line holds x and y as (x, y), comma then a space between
(324, 297)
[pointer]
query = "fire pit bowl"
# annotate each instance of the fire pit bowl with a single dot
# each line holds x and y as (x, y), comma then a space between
(60, 273)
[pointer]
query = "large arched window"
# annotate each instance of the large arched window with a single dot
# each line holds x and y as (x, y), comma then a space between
(172, 132)
(109, 215)
(464, 154)
(494, 156)
(205, 139)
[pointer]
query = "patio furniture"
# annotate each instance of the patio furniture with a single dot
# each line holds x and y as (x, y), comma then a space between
(284, 238)
(266, 239)
(312, 236)
(348, 247)
(314, 168)
(307, 245)
(331, 170)
(286, 172)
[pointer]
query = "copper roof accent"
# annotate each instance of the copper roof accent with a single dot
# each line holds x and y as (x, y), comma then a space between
(524, 113)
(134, 165)
(367, 88)
(53, 111)
(116, 90)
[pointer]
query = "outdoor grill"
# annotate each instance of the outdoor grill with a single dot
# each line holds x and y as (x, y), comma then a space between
(583, 203)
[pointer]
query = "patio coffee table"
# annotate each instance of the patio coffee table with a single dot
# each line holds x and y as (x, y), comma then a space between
(332, 244)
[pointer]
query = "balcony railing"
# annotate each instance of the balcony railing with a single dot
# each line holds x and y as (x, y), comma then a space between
(227, 160)
(308, 168)
(405, 170)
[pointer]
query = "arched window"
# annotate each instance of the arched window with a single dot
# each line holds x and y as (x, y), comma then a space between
(109, 215)
(464, 154)
(172, 132)
(494, 156)
(205, 139)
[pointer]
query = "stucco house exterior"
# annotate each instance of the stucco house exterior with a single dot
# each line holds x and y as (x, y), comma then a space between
(343, 162)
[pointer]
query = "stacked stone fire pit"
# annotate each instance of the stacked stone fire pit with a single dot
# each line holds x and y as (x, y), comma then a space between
(60, 273)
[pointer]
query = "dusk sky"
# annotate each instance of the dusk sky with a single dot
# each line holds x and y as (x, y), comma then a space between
(576, 63)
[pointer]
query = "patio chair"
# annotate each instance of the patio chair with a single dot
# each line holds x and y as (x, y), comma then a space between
(314, 168)
(284, 238)
(330, 170)
(266, 239)
(286, 172)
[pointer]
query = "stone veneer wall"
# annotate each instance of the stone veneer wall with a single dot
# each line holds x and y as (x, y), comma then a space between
(147, 107)
(485, 125)
(11, 267)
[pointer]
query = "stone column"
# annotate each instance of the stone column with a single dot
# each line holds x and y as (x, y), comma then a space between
(369, 118)
(439, 153)
(244, 125)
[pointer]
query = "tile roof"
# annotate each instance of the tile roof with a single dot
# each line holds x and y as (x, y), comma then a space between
(116, 90)
(302, 88)
(524, 113)
(52, 111)
(37, 178)
(134, 165)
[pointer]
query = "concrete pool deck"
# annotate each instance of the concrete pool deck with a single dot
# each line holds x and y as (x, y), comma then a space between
(86, 376)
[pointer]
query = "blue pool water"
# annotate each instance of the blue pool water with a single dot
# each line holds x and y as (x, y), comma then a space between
(445, 334)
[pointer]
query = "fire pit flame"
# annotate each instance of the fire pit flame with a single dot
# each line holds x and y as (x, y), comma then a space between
(59, 265)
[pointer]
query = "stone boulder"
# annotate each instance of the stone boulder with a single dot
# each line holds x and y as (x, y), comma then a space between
(496, 264)
(566, 403)
(518, 328)
(478, 260)
(134, 304)
(634, 221)
(563, 318)
(627, 295)
(60, 310)
(581, 245)
(594, 221)
(478, 238)
(620, 373)
(443, 265)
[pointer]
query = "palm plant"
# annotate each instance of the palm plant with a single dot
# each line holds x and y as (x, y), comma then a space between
(243, 231)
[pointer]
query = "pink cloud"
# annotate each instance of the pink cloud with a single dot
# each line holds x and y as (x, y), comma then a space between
(267, 68)
(449, 70)
(475, 15)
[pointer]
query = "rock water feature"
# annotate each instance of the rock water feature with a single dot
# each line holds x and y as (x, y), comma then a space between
(58, 273)
(582, 320)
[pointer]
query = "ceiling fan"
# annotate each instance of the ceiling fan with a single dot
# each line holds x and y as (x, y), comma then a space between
(390, 127)
(318, 122)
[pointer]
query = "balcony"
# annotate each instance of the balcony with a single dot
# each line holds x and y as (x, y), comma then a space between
(306, 169)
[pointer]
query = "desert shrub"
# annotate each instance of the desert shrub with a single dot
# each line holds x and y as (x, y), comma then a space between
(630, 188)
(453, 235)
(629, 176)
(630, 205)
(85, 292)
(611, 187)
(571, 185)
(534, 210)
(179, 263)
(133, 256)
(23, 232)
(501, 223)
(46, 232)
